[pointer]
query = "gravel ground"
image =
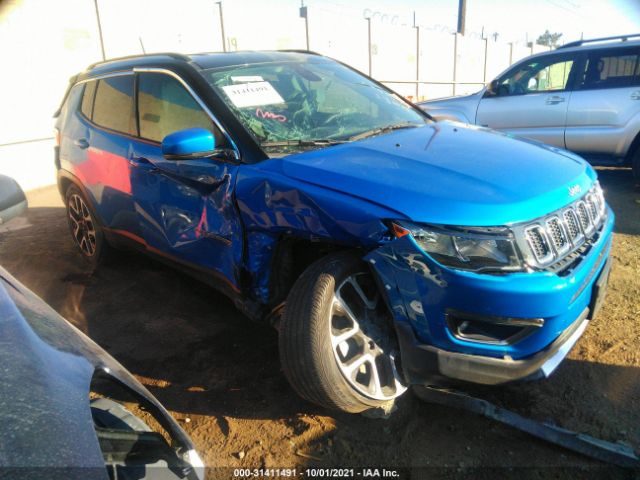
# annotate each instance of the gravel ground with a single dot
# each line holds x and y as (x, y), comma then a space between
(219, 374)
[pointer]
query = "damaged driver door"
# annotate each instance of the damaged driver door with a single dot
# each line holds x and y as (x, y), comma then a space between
(183, 196)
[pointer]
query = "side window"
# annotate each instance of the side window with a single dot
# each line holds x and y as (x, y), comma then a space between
(165, 106)
(113, 104)
(611, 69)
(546, 74)
(87, 99)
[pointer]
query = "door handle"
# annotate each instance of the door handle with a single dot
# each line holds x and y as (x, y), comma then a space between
(81, 143)
(142, 162)
(635, 95)
(554, 100)
(139, 161)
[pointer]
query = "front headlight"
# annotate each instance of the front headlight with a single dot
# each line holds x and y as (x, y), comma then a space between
(465, 248)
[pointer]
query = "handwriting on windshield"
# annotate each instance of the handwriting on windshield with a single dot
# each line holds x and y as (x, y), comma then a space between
(270, 115)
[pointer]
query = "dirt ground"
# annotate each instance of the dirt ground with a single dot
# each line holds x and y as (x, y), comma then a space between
(219, 374)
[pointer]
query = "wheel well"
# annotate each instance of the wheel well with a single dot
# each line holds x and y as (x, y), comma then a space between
(292, 257)
(63, 185)
(633, 148)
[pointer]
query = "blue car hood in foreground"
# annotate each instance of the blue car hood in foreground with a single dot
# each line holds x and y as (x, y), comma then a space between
(447, 173)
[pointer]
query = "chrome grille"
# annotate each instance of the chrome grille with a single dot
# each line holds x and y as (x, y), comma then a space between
(583, 216)
(557, 235)
(573, 226)
(538, 242)
(571, 221)
(594, 209)
(550, 240)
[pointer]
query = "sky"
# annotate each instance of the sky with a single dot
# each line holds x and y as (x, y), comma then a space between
(514, 20)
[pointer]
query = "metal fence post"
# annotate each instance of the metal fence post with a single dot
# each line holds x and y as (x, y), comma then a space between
(104, 57)
(369, 42)
(417, 61)
(455, 62)
(224, 40)
(486, 50)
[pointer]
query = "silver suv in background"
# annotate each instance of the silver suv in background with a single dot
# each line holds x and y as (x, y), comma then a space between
(583, 96)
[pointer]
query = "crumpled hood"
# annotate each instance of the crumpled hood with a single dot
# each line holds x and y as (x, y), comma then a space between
(448, 173)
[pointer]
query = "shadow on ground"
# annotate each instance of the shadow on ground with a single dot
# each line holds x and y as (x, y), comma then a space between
(623, 196)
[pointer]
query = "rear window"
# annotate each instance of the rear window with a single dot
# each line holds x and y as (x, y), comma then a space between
(87, 99)
(113, 104)
(611, 69)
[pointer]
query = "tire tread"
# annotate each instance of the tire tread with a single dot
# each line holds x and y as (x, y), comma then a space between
(306, 359)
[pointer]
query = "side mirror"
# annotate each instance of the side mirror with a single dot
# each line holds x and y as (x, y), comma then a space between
(492, 89)
(189, 144)
(12, 199)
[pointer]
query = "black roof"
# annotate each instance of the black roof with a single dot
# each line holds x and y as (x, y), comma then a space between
(198, 60)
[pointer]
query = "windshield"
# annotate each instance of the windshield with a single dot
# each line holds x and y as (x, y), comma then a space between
(296, 105)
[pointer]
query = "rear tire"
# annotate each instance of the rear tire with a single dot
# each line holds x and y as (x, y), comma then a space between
(635, 166)
(86, 231)
(337, 342)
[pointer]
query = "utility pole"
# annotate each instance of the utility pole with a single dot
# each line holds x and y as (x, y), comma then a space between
(462, 16)
(95, 2)
(224, 38)
(304, 13)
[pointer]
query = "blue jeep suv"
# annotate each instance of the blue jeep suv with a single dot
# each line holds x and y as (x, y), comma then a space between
(387, 248)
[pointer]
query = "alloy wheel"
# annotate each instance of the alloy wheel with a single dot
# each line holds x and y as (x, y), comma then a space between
(362, 339)
(82, 225)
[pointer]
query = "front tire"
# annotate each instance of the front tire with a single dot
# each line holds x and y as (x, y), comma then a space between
(85, 230)
(635, 166)
(337, 342)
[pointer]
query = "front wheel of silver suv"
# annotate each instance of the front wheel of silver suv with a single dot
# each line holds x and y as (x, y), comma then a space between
(635, 166)
(337, 342)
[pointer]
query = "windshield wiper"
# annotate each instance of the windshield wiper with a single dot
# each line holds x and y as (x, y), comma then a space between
(302, 143)
(381, 130)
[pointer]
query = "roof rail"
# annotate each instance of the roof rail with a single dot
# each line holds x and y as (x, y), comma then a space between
(298, 50)
(177, 56)
(622, 38)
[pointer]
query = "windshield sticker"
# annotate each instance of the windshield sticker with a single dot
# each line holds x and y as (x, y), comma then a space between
(247, 78)
(270, 115)
(252, 94)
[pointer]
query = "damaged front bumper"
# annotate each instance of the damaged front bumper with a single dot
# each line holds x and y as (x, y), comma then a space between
(424, 363)
(520, 326)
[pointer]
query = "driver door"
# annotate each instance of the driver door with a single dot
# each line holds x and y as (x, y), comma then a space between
(185, 207)
(531, 99)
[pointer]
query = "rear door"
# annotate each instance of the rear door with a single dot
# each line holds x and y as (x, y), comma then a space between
(186, 208)
(531, 99)
(606, 99)
(105, 127)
